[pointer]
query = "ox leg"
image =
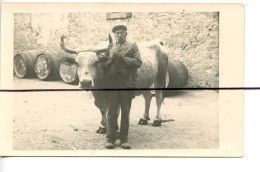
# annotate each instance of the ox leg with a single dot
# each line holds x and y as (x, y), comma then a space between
(147, 98)
(159, 99)
(102, 127)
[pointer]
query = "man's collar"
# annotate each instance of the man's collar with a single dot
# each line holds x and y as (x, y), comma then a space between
(119, 47)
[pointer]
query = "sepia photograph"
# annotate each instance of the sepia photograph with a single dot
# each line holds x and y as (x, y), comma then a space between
(98, 82)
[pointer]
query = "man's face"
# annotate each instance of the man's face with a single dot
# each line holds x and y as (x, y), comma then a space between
(120, 36)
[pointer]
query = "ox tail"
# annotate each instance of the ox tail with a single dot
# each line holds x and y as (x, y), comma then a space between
(62, 45)
(162, 55)
(161, 72)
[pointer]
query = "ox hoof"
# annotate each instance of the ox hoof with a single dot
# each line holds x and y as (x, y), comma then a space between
(157, 123)
(101, 130)
(143, 121)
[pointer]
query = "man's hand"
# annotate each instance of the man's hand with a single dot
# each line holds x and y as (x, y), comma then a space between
(118, 58)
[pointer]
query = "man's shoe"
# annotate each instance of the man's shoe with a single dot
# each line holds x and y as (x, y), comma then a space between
(125, 145)
(110, 145)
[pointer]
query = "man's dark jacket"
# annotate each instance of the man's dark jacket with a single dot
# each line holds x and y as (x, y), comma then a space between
(126, 65)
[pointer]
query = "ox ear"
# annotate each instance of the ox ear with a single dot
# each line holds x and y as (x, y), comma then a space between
(110, 39)
(68, 61)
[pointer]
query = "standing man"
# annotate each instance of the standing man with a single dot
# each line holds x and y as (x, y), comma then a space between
(127, 59)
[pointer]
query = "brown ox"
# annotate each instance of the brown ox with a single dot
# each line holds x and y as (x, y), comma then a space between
(94, 69)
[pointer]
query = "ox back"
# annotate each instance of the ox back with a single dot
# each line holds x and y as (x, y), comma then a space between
(153, 71)
(154, 65)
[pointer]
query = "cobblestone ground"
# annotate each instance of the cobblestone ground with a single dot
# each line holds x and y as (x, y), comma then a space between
(68, 120)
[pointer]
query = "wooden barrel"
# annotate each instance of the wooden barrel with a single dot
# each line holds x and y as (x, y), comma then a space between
(69, 73)
(24, 63)
(47, 65)
(178, 76)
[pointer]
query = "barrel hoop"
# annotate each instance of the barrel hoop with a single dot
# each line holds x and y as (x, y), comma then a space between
(43, 66)
(21, 66)
(31, 63)
(68, 73)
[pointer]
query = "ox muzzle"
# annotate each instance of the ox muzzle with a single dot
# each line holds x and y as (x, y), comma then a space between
(86, 84)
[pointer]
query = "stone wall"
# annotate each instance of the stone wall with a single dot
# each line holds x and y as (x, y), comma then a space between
(191, 38)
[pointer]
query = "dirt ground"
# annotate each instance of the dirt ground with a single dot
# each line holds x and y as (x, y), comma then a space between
(68, 120)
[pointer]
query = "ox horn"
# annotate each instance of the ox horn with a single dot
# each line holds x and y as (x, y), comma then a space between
(62, 45)
(66, 49)
(110, 39)
(101, 50)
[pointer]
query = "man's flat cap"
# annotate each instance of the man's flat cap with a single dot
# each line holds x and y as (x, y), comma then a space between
(119, 27)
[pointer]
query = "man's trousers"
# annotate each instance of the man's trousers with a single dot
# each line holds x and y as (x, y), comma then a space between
(115, 99)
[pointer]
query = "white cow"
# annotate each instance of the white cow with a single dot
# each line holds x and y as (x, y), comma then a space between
(94, 69)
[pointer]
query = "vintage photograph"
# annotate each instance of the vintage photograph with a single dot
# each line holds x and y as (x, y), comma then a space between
(111, 80)
(188, 44)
